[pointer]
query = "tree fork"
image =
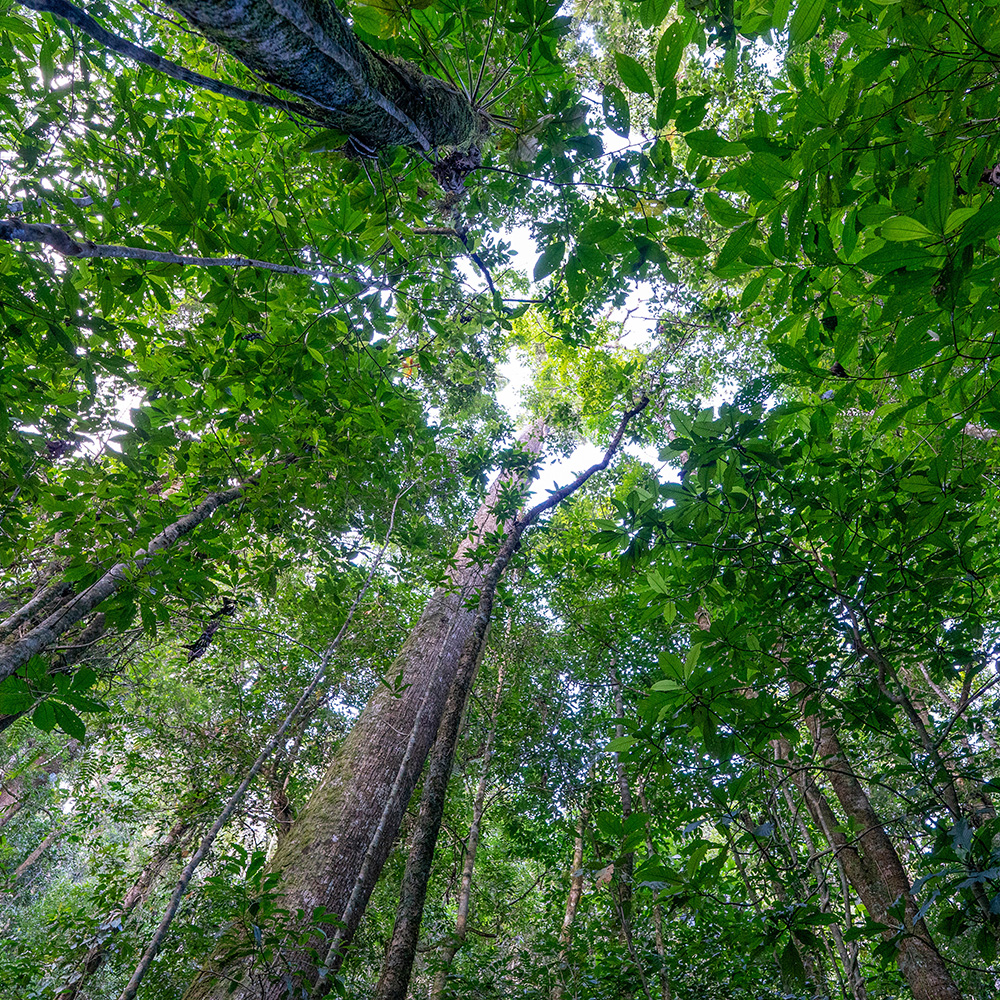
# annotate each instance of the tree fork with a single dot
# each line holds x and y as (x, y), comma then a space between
(395, 977)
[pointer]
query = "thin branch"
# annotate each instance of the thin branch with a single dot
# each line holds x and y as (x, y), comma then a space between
(63, 9)
(60, 241)
(87, 201)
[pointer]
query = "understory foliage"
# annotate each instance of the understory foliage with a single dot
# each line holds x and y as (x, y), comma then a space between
(734, 730)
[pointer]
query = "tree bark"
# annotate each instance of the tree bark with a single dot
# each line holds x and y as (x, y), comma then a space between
(307, 47)
(364, 793)
(872, 865)
(17, 652)
(451, 948)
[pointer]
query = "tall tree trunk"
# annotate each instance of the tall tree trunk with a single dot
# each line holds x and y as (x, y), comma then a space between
(361, 799)
(54, 836)
(457, 939)
(573, 897)
(625, 865)
(872, 864)
(395, 976)
(665, 992)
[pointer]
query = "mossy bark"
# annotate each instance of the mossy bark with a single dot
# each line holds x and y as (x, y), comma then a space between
(279, 52)
(323, 853)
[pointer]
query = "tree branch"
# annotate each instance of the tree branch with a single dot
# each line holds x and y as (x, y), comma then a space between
(82, 20)
(61, 241)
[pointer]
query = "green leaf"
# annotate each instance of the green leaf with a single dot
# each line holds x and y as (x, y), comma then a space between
(68, 721)
(550, 258)
(940, 191)
(616, 110)
(688, 246)
(621, 743)
(633, 75)
(737, 243)
(325, 141)
(902, 229)
(791, 963)
(805, 21)
(669, 53)
(44, 717)
(722, 212)
(710, 143)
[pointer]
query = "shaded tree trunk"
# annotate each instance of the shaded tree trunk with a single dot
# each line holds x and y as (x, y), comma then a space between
(872, 864)
(347, 828)
(398, 963)
(450, 949)
(573, 898)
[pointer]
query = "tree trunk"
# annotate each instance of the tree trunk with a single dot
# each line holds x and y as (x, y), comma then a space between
(396, 968)
(665, 992)
(573, 899)
(322, 855)
(625, 865)
(395, 976)
(307, 47)
(451, 948)
(872, 865)
(52, 838)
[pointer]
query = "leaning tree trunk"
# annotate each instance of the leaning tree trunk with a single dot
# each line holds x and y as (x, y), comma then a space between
(337, 846)
(872, 864)
(455, 942)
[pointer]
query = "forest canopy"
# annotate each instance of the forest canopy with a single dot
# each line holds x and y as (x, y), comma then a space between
(497, 499)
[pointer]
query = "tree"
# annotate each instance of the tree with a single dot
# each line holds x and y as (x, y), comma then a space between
(240, 323)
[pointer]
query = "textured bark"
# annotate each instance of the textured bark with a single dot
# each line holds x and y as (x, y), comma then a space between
(396, 968)
(450, 949)
(322, 855)
(872, 864)
(307, 48)
(395, 976)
